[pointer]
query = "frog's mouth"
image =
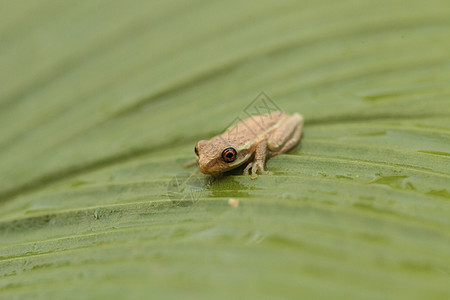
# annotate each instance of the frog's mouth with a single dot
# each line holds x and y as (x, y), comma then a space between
(211, 168)
(216, 169)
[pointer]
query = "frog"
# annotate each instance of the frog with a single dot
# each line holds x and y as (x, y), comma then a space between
(251, 141)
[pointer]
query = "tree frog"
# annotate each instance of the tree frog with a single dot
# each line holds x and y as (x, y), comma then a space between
(251, 141)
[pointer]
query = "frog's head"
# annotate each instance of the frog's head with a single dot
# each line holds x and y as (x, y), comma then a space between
(217, 156)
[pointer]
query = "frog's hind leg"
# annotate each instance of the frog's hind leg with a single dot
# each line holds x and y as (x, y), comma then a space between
(290, 143)
(286, 136)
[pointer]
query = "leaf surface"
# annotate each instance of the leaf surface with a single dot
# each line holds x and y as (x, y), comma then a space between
(102, 102)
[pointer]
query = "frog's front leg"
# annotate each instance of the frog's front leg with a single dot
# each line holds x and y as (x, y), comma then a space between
(258, 163)
(286, 136)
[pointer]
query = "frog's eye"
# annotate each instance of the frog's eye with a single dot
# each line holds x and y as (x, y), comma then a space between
(229, 155)
(196, 150)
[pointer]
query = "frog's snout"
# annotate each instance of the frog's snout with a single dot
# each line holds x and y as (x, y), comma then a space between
(208, 167)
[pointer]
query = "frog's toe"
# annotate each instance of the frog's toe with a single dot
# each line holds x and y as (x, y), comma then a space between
(247, 169)
(262, 171)
(254, 171)
(259, 167)
(256, 168)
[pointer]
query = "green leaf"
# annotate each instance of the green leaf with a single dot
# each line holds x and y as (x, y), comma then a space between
(102, 102)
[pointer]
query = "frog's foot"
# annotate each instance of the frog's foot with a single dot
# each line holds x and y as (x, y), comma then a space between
(195, 172)
(256, 166)
(190, 164)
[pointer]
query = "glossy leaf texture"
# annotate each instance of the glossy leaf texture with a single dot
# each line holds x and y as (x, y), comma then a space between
(102, 102)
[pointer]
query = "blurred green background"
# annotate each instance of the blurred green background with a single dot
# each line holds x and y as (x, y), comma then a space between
(102, 102)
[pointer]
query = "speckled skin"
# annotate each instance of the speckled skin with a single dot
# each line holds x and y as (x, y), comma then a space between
(255, 139)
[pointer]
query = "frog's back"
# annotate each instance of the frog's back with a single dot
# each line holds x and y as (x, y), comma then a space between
(252, 128)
